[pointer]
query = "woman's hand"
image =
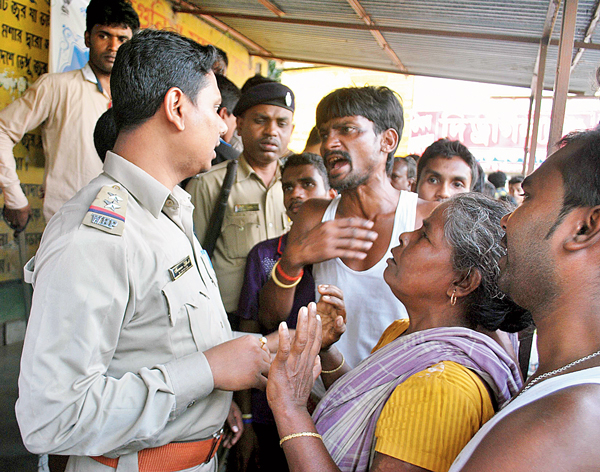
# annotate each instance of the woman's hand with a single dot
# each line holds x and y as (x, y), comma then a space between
(332, 310)
(296, 365)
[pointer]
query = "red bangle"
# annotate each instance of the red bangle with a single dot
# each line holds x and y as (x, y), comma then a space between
(286, 277)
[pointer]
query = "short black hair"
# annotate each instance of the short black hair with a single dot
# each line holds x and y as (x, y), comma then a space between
(314, 137)
(517, 179)
(497, 178)
(111, 13)
(230, 94)
(149, 65)
(307, 159)
(411, 165)
(448, 149)
(581, 173)
(105, 133)
(222, 56)
(380, 105)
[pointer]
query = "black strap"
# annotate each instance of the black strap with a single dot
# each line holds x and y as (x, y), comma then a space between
(216, 219)
(525, 346)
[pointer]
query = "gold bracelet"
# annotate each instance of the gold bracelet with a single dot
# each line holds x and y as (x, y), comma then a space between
(299, 435)
(278, 283)
(337, 368)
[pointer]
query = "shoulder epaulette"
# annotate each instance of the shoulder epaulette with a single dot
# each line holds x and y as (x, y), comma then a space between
(107, 212)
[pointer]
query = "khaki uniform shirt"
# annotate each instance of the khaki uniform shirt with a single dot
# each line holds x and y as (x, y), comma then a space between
(254, 213)
(67, 105)
(113, 356)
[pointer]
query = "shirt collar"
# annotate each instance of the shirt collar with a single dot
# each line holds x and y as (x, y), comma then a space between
(141, 185)
(245, 170)
(88, 74)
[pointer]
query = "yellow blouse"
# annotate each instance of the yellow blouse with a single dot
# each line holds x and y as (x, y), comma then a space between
(431, 416)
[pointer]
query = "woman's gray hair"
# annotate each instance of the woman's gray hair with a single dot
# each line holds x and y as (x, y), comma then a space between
(473, 231)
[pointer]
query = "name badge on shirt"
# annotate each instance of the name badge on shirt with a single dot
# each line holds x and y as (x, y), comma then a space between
(242, 207)
(180, 268)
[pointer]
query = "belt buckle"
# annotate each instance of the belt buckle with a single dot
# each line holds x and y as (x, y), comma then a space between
(216, 436)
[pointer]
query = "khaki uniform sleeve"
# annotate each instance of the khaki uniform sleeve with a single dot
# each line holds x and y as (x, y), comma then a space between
(24, 114)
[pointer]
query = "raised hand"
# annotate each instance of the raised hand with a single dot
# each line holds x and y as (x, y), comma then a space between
(332, 310)
(296, 365)
(348, 238)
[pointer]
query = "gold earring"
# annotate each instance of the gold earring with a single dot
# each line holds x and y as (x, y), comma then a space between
(453, 298)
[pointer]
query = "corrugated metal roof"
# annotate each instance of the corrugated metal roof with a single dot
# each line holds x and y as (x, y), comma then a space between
(442, 38)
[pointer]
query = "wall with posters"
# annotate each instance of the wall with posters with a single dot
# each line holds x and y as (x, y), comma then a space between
(47, 35)
(23, 58)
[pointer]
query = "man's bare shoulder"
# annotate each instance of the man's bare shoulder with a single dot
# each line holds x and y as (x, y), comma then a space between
(311, 212)
(557, 432)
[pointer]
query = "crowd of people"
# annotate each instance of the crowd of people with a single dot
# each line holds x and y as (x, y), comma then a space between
(200, 288)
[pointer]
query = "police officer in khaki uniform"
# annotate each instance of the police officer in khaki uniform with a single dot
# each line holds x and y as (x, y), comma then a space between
(129, 362)
(255, 210)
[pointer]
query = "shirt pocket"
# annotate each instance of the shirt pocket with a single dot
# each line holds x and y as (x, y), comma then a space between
(183, 303)
(240, 233)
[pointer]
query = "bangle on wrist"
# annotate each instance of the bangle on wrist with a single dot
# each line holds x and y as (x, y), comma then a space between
(286, 277)
(247, 416)
(278, 283)
(299, 435)
(337, 368)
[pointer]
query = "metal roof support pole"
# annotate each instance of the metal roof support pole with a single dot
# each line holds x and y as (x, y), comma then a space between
(563, 74)
(526, 148)
(537, 97)
(537, 85)
(383, 44)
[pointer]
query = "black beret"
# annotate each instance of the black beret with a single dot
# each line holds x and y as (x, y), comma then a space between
(270, 93)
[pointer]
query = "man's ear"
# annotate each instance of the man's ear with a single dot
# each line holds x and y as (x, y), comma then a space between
(332, 193)
(87, 39)
(389, 140)
(587, 230)
(239, 122)
(223, 113)
(174, 107)
(465, 283)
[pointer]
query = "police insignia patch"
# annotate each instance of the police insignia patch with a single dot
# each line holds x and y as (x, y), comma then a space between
(107, 212)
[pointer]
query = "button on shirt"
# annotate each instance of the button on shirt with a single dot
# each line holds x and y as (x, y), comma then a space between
(254, 213)
(113, 356)
(67, 105)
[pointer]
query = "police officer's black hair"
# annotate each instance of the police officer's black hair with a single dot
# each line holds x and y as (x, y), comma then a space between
(148, 66)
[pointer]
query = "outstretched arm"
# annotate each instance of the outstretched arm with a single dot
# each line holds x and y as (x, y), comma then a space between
(312, 241)
(292, 375)
(291, 378)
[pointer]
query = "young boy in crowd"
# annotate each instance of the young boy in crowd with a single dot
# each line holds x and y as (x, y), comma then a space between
(303, 176)
(445, 169)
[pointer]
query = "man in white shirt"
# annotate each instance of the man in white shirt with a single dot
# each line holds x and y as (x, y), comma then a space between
(67, 105)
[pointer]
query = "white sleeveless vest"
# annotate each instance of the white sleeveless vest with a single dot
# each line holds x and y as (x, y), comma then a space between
(370, 304)
(544, 388)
